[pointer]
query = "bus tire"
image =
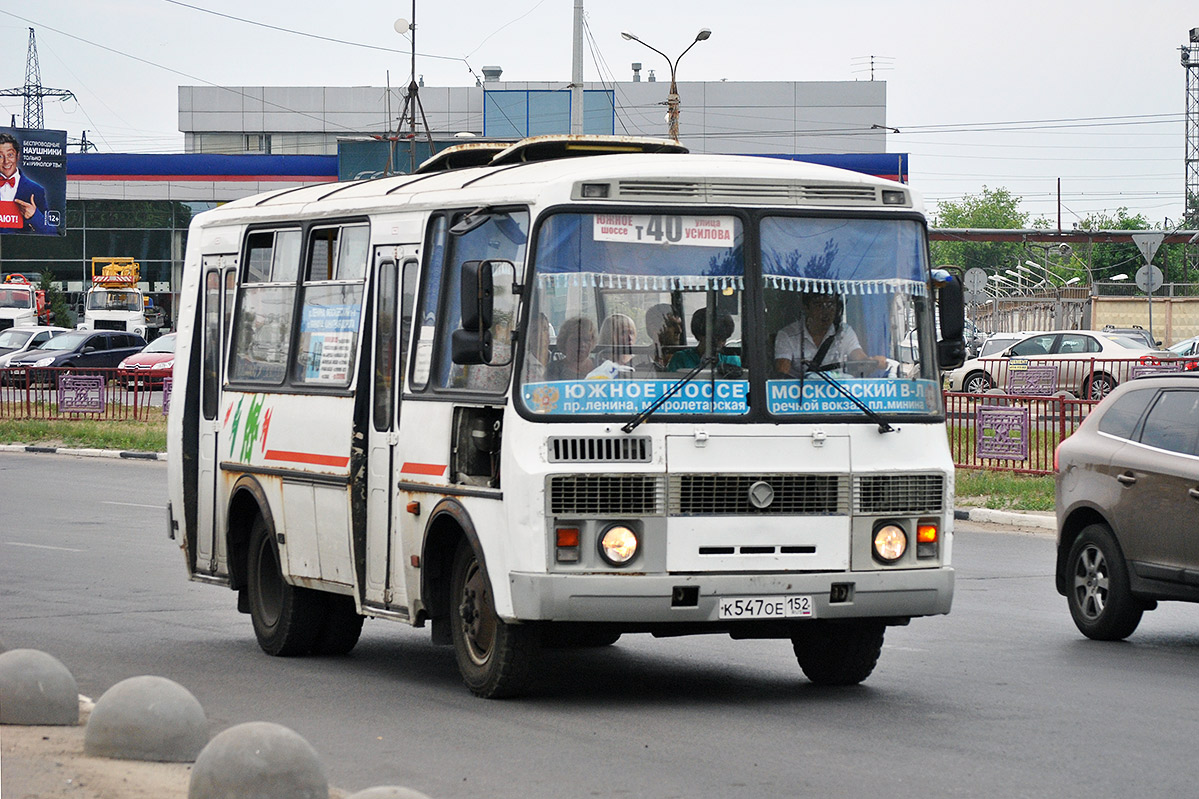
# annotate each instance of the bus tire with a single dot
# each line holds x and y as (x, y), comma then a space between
(832, 653)
(341, 627)
(287, 618)
(494, 657)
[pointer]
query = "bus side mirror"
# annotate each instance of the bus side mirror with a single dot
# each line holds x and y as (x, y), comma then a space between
(471, 343)
(951, 307)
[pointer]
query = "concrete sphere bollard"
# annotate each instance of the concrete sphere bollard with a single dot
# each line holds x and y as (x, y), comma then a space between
(258, 760)
(147, 718)
(387, 792)
(36, 688)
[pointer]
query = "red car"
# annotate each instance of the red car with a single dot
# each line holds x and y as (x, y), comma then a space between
(152, 364)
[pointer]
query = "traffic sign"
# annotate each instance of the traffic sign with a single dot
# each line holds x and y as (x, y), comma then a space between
(1148, 243)
(1149, 278)
(975, 279)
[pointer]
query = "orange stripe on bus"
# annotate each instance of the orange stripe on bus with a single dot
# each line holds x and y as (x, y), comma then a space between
(306, 457)
(423, 468)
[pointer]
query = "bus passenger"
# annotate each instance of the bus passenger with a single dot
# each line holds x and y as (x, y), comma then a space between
(819, 337)
(691, 357)
(616, 337)
(576, 339)
(665, 331)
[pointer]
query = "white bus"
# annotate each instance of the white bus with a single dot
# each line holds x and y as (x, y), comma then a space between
(574, 389)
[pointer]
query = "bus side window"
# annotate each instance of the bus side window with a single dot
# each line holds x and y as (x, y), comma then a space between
(331, 307)
(502, 237)
(266, 302)
(431, 292)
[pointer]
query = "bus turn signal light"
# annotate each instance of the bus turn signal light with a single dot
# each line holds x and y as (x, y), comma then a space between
(926, 540)
(567, 544)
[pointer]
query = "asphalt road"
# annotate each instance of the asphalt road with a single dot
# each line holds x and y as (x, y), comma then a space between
(1002, 698)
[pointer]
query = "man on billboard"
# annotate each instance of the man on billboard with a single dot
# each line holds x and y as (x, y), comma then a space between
(28, 196)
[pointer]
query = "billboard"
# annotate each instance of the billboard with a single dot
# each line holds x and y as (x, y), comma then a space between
(33, 181)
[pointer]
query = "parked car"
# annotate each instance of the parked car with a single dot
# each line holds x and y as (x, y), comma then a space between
(1001, 341)
(1185, 348)
(1135, 332)
(82, 349)
(1072, 350)
(20, 340)
(1127, 489)
(152, 364)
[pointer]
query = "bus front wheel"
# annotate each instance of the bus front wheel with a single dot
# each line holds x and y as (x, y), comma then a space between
(493, 656)
(832, 653)
(287, 619)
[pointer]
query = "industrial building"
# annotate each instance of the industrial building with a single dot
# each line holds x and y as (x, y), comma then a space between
(242, 140)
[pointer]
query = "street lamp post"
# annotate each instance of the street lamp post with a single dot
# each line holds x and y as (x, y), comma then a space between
(1042, 272)
(672, 99)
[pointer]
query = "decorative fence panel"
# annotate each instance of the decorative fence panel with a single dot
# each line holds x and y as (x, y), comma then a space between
(1010, 432)
(73, 393)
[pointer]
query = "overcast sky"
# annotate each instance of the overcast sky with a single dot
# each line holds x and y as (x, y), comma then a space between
(1014, 94)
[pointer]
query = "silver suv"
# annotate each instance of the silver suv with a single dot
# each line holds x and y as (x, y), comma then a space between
(1128, 505)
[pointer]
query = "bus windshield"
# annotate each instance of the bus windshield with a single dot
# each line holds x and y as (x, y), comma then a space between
(626, 306)
(620, 307)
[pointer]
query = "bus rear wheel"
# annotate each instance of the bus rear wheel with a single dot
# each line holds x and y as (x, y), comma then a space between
(838, 653)
(494, 657)
(287, 619)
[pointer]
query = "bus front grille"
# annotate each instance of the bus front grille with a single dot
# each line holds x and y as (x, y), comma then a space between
(735, 494)
(899, 493)
(598, 449)
(605, 495)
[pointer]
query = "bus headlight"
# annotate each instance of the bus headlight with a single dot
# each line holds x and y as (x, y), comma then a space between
(890, 542)
(618, 545)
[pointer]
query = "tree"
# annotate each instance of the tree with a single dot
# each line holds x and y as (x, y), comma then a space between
(1107, 260)
(56, 304)
(990, 209)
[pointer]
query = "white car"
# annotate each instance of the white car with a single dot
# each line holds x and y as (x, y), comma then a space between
(1072, 351)
(20, 340)
(1185, 348)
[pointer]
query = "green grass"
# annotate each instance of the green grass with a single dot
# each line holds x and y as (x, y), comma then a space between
(142, 436)
(979, 488)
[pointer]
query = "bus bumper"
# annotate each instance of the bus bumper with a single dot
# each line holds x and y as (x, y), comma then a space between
(642, 598)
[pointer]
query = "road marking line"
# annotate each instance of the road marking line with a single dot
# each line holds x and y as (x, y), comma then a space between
(43, 546)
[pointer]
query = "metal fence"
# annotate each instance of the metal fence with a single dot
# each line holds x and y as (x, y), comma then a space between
(1087, 377)
(1016, 418)
(1010, 432)
(71, 393)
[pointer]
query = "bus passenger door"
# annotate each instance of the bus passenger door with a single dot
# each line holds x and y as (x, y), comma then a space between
(219, 282)
(395, 277)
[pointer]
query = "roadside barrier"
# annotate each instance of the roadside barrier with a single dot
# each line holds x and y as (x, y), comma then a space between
(77, 393)
(1013, 412)
(1010, 432)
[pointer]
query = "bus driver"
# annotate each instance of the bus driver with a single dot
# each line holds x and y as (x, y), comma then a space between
(819, 337)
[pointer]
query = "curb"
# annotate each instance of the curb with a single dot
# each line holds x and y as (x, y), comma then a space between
(85, 453)
(1024, 519)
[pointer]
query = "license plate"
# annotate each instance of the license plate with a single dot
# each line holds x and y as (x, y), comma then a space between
(766, 607)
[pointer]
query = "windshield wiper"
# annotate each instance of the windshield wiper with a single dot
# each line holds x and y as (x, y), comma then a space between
(648, 411)
(883, 425)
